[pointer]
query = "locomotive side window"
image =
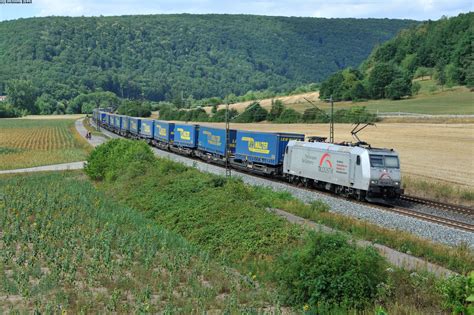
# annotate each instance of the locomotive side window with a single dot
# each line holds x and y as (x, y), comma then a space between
(391, 162)
(376, 160)
(358, 160)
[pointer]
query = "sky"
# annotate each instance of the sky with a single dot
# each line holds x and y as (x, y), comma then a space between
(400, 9)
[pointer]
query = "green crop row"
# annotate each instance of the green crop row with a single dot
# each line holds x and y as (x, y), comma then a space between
(66, 247)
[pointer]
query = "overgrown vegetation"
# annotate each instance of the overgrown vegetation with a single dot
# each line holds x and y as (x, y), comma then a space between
(30, 142)
(228, 219)
(66, 248)
(441, 49)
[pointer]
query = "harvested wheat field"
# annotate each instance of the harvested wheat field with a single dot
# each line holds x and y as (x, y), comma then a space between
(29, 143)
(296, 99)
(434, 151)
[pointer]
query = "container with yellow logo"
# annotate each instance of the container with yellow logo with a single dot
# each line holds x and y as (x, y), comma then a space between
(262, 147)
(214, 140)
(146, 129)
(164, 131)
(186, 135)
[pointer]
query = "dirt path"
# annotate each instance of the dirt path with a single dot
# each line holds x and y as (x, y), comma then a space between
(95, 140)
(54, 167)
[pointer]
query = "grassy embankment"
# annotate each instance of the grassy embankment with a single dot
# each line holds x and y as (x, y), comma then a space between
(35, 142)
(228, 219)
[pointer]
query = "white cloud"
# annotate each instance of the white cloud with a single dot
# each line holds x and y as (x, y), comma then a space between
(409, 9)
(60, 7)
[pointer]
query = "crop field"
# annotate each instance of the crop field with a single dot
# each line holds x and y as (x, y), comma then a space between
(433, 151)
(66, 248)
(31, 142)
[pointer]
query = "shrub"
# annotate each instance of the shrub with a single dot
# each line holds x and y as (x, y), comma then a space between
(314, 114)
(330, 270)
(289, 115)
(458, 294)
(119, 156)
(253, 113)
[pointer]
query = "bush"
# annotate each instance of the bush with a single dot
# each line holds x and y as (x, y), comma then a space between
(330, 270)
(253, 113)
(315, 115)
(119, 156)
(289, 116)
(458, 294)
(135, 108)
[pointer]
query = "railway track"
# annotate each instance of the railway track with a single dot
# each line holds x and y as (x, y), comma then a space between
(453, 223)
(440, 205)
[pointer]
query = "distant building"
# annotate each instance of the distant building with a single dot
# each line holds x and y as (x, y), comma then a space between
(3, 98)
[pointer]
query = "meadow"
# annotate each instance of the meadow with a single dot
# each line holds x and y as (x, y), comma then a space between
(66, 248)
(35, 142)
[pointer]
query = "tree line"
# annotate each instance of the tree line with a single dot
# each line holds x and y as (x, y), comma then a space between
(278, 113)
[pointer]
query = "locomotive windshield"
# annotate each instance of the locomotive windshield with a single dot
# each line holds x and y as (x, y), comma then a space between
(387, 161)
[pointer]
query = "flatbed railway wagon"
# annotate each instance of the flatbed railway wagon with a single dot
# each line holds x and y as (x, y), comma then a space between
(212, 144)
(262, 152)
(185, 139)
(164, 134)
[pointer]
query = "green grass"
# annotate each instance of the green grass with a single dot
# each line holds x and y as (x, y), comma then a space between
(30, 142)
(66, 247)
(431, 99)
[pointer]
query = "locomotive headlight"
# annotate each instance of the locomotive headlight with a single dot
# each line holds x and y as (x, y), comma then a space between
(397, 183)
(374, 181)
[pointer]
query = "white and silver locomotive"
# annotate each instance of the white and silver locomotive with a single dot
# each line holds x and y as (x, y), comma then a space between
(354, 171)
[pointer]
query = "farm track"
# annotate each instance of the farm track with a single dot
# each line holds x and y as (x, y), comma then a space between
(405, 211)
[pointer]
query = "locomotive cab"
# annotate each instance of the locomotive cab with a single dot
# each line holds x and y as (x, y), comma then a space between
(385, 175)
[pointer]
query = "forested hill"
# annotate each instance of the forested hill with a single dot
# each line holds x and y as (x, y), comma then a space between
(441, 49)
(158, 57)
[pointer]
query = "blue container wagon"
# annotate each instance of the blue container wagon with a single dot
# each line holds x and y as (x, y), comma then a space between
(185, 138)
(164, 134)
(212, 143)
(134, 126)
(262, 151)
(147, 129)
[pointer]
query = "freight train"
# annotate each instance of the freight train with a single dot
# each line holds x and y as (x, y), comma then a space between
(357, 171)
